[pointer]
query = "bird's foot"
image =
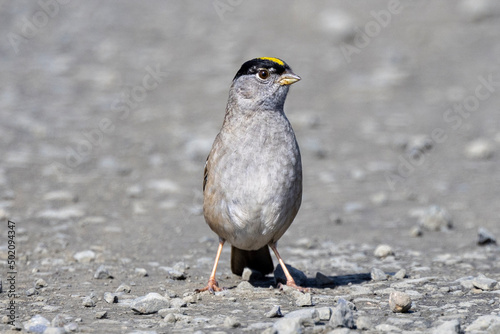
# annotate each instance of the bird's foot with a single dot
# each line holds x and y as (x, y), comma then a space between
(212, 287)
(292, 284)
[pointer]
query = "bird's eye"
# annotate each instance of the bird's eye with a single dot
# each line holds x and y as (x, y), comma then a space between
(263, 74)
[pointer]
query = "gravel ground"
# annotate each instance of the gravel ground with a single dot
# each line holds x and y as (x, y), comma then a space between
(108, 110)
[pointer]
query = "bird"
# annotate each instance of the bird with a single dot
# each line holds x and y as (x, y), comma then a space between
(252, 183)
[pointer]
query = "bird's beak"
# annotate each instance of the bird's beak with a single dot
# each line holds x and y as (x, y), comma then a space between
(288, 78)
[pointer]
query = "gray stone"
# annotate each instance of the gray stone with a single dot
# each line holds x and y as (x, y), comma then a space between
(484, 283)
(40, 283)
(31, 292)
(140, 272)
(288, 325)
(71, 327)
(66, 213)
(448, 327)
(479, 149)
(378, 275)
(485, 237)
(231, 322)
(325, 313)
(177, 303)
(250, 275)
(102, 273)
(110, 298)
(416, 231)
(383, 251)
(37, 324)
(386, 328)
(101, 314)
(275, 312)
(58, 321)
(400, 274)
(484, 323)
(304, 299)
(364, 323)
(174, 273)
(84, 256)
(150, 303)
(89, 301)
(60, 196)
(466, 282)
(399, 302)
(54, 330)
(123, 288)
(244, 285)
(436, 218)
(299, 277)
(304, 314)
(342, 315)
(170, 318)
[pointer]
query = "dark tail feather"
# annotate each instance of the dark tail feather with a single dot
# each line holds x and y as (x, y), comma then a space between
(259, 260)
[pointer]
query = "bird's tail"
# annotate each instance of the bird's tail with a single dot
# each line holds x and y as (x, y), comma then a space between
(258, 260)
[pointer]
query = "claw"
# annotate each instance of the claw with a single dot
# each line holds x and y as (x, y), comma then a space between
(212, 287)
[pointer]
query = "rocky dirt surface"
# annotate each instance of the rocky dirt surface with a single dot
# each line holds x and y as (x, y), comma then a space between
(108, 110)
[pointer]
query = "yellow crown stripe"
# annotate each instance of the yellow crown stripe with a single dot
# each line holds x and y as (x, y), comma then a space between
(276, 60)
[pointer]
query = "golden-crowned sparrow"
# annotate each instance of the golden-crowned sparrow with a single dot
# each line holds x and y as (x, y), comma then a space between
(253, 175)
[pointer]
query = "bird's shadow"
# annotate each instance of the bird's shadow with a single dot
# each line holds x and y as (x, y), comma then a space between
(318, 282)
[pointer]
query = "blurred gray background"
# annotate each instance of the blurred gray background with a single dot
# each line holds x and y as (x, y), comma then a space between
(108, 110)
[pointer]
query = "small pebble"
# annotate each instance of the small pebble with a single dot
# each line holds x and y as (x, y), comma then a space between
(383, 251)
(400, 274)
(275, 312)
(231, 322)
(342, 315)
(37, 324)
(141, 272)
(399, 302)
(250, 275)
(324, 313)
(244, 285)
(177, 303)
(436, 218)
(40, 283)
(89, 301)
(304, 299)
(484, 323)
(101, 314)
(378, 275)
(308, 313)
(479, 149)
(31, 292)
(102, 273)
(416, 231)
(150, 303)
(84, 256)
(287, 325)
(448, 327)
(110, 298)
(123, 288)
(364, 323)
(485, 237)
(170, 318)
(484, 283)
